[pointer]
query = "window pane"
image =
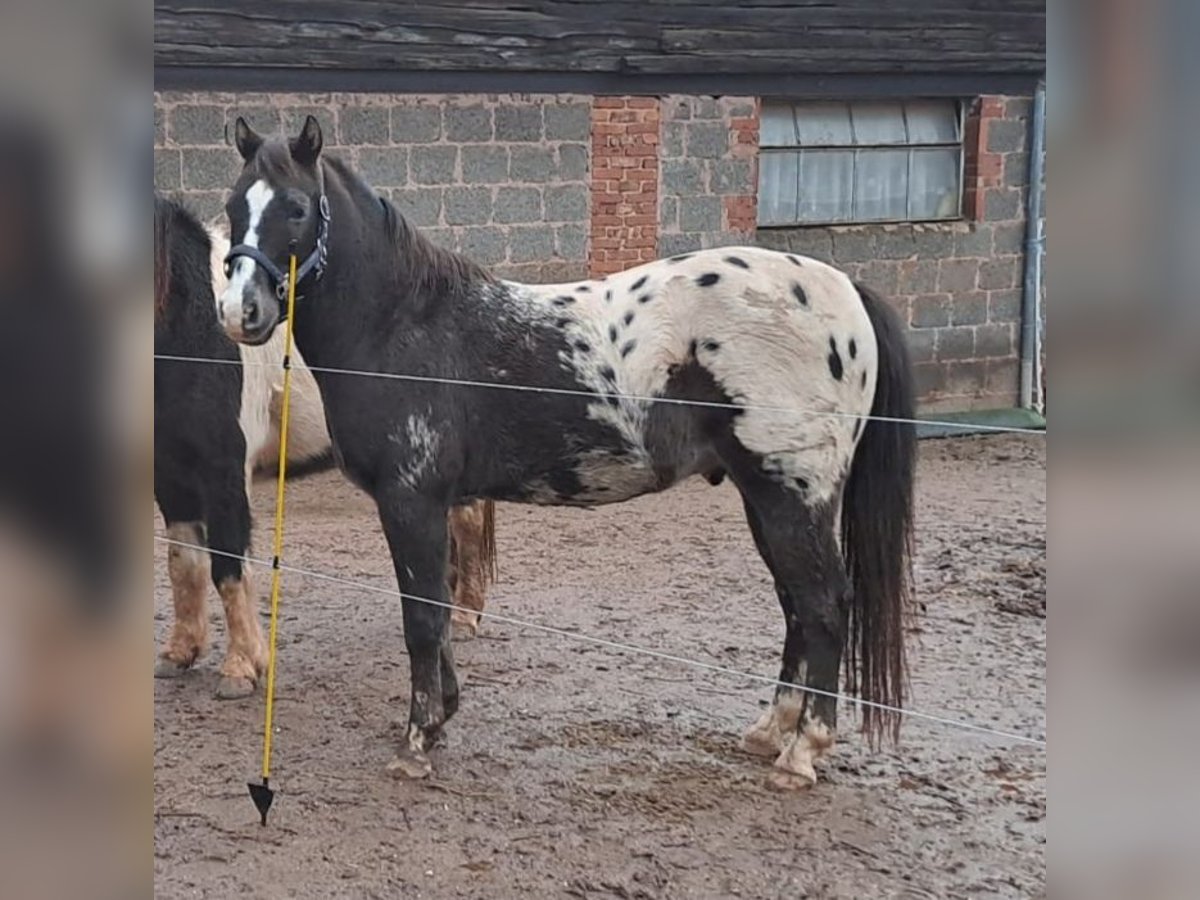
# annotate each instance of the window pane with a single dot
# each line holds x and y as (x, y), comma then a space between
(777, 128)
(823, 124)
(777, 177)
(826, 181)
(881, 185)
(878, 123)
(934, 191)
(932, 121)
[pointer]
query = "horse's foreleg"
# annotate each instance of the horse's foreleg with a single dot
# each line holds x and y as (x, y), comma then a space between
(468, 560)
(417, 537)
(187, 567)
(229, 538)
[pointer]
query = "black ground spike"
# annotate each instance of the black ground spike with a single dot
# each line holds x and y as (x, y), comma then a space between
(262, 795)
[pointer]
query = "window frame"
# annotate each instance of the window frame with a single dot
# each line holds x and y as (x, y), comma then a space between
(961, 106)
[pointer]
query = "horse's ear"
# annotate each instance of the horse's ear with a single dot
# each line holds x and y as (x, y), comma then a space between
(246, 139)
(307, 147)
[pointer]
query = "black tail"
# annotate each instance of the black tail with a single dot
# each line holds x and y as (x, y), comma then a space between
(877, 518)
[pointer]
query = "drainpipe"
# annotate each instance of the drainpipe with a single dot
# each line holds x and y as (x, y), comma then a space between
(1035, 240)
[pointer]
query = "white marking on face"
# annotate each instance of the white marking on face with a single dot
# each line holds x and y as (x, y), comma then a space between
(229, 306)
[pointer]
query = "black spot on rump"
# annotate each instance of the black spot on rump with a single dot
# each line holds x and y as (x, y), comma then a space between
(862, 382)
(708, 279)
(680, 258)
(835, 360)
(563, 301)
(794, 261)
(628, 348)
(802, 483)
(712, 346)
(637, 284)
(853, 349)
(645, 298)
(628, 317)
(608, 296)
(583, 289)
(612, 333)
(561, 323)
(798, 293)
(737, 261)
(608, 373)
(583, 346)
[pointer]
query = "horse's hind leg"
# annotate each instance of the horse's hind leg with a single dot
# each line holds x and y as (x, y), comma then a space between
(801, 550)
(766, 736)
(229, 539)
(468, 569)
(417, 537)
(187, 566)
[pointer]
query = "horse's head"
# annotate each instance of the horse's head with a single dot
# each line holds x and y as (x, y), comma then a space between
(277, 208)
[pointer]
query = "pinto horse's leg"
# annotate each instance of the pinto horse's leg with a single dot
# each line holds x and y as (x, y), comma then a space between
(801, 550)
(468, 568)
(416, 532)
(229, 539)
(188, 570)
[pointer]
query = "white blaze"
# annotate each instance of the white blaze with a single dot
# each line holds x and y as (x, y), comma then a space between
(229, 306)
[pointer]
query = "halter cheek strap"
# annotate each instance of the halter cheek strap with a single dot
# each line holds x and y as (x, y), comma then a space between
(314, 263)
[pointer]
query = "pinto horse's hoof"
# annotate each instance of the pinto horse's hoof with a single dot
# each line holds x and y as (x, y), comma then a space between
(791, 781)
(233, 687)
(461, 632)
(170, 668)
(410, 764)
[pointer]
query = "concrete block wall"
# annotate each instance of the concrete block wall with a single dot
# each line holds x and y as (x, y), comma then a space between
(709, 164)
(503, 179)
(957, 284)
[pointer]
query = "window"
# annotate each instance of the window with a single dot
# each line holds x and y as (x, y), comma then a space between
(825, 163)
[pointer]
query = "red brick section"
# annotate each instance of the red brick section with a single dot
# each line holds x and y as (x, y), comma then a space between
(983, 171)
(624, 188)
(741, 210)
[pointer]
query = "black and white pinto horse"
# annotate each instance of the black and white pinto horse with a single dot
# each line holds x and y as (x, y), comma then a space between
(779, 360)
(214, 425)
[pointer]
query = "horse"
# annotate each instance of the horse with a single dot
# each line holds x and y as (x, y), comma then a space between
(217, 425)
(771, 368)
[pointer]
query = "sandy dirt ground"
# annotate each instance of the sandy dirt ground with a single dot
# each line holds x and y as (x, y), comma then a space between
(573, 770)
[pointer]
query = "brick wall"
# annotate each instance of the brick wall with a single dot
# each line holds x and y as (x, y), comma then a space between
(957, 285)
(709, 172)
(503, 179)
(625, 174)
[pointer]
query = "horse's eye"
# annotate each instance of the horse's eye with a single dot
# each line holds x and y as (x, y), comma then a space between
(297, 213)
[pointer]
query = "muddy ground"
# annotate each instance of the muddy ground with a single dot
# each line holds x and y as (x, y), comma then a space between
(573, 770)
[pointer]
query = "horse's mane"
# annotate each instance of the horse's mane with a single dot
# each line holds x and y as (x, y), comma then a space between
(426, 274)
(163, 213)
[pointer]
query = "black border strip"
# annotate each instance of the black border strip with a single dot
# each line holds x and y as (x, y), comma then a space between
(396, 81)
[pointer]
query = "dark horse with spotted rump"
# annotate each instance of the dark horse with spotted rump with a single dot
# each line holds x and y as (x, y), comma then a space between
(779, 361)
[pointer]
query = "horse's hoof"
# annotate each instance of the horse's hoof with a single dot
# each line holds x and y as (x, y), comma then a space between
(232, 687)
(410, 764)
(463, 631)
(791, 781)
(170, 668)
(762, 742)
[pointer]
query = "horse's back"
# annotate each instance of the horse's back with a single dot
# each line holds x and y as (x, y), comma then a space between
(785, 336)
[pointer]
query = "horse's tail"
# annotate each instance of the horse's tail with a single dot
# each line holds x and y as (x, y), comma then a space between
(487, 552)
(877, 518)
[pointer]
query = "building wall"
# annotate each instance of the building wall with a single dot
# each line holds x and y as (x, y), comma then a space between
(503, 179)
(957, 285)
(554, 187)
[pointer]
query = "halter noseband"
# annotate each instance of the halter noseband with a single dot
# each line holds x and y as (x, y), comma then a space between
(315, 262)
